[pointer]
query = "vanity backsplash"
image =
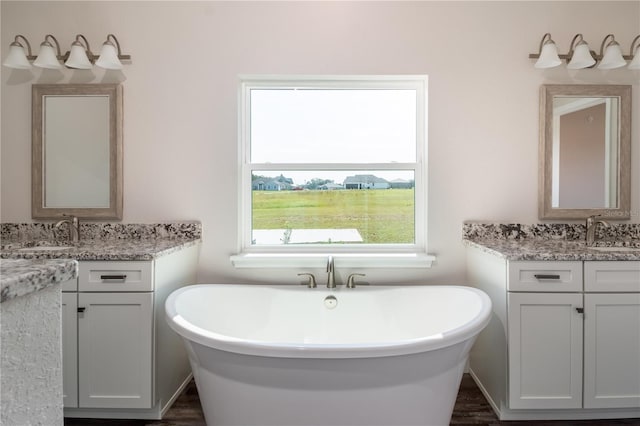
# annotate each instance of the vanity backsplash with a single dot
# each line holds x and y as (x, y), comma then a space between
(103, 231)
(550, 231)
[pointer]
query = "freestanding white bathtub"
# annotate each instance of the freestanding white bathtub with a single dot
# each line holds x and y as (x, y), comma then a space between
(288, 355)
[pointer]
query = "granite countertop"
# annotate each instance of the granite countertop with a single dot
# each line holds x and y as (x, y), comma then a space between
(98, 249)
(34, 257)
(554, 241)
(549, 249)
(19, 277)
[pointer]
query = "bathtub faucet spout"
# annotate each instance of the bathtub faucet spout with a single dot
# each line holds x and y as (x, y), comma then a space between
(331, 278)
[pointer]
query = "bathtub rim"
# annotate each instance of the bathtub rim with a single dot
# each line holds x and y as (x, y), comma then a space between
(294, 350)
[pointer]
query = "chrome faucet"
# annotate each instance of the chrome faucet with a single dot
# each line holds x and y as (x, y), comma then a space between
(73, 225)
(592, 227)
(331, 279)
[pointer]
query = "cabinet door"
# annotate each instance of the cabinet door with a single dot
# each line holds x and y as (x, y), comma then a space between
(115, 350)
(612, 350)
(545, 350)
(70, 349)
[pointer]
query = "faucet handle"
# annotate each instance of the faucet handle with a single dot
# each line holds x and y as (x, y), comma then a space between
(351, 281)
(312, 280)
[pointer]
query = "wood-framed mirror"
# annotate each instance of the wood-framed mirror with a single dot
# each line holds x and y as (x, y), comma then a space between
(585, 151)
(76, 151)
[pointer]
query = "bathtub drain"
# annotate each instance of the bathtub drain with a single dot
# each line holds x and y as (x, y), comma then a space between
(330, 302)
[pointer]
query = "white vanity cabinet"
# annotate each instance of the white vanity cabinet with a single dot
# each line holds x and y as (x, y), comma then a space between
(564, 339)
(544, 334)
(612, 335)
(545, 350)
(115, 334)
(120, 358)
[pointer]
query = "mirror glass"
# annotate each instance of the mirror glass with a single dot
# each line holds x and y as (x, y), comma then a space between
(585, 143)
(77, 148)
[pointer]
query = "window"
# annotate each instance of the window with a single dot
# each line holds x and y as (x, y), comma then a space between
(333, 164)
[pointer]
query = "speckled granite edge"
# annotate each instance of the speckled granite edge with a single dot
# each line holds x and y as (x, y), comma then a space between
(547, 250)
(21, 277)
(544, 242)
(551, 231)
(104, 231)
(115, 249)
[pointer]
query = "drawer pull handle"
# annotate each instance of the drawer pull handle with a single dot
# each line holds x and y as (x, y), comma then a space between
(81, 310)
(547, 276)
(113, 277)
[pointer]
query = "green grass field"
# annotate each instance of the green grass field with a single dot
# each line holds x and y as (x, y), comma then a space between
(381, 216)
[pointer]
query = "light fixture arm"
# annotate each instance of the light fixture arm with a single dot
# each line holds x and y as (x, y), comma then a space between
(636, 43)
(602, 46)
(16, 42)
(117, 45)
(545, 38)
(86, 43)
(55, 41)
(577, 39)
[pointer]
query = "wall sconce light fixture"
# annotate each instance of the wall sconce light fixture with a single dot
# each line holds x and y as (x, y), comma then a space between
(17, 57)
(110, 54)
(79, 57)
(611, 54)
(79, 54)
(48, 57)
(580, 56)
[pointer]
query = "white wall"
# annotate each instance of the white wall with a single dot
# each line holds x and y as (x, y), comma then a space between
(180, 96)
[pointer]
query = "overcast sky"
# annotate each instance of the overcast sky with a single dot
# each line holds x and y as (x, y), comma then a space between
(327, 126)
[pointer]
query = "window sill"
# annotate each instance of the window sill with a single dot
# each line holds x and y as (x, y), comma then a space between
(343, 260)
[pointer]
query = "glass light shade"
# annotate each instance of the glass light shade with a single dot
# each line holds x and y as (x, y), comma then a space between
(612, 57)
(635, 63)
(581, 57)
(78, 58)
(47, 57)
(17, 58)
(548, 56)
(109, 57)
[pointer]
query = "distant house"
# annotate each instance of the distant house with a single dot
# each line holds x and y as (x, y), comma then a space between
(401, 184)
(279, 183)
(365, 182)
(331, 186)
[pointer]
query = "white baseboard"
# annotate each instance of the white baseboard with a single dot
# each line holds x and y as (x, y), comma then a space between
(176, 395)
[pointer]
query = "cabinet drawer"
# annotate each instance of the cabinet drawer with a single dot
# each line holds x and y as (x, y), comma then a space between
(614, 276)
(115, 276)
(544, 276)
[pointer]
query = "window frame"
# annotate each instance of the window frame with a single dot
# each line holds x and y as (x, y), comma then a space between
(359, 254)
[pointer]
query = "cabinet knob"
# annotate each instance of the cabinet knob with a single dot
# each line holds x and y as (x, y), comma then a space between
(580, 310)
(81, 310)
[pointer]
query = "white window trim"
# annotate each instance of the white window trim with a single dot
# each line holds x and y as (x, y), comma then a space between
(383, 255)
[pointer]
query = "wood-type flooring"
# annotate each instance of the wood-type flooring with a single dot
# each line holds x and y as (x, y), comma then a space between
(471, 409)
